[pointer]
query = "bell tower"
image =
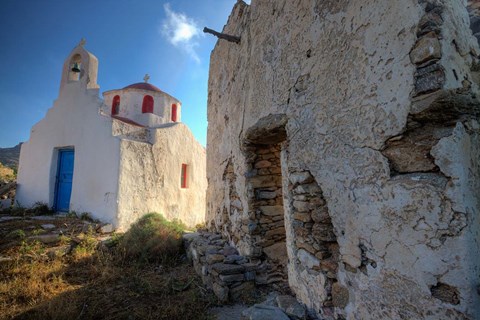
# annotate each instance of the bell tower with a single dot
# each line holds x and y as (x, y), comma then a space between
(80, 67)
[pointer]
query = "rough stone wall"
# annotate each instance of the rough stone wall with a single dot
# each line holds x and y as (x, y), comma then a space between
(150, 173)
(374, 104)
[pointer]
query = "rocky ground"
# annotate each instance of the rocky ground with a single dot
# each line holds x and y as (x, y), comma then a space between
(63, 266)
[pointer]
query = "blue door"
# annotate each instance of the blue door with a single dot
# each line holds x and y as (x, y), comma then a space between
(63, 188)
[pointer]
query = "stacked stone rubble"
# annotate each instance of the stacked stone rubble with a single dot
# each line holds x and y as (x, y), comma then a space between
(230, 275)
(314, 234)
(267, 227)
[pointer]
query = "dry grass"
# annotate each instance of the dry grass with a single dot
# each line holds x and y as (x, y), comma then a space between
(100, 281)
(6, 174)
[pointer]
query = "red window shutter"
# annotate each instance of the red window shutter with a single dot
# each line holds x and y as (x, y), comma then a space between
(174, 112)
(184, 177)
(115, 105)
(147, 105)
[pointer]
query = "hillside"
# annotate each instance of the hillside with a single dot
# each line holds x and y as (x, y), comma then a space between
(9, 156)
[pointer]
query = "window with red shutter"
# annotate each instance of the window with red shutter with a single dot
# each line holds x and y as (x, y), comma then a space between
(147, 105)
(115, 105)
(184, 176)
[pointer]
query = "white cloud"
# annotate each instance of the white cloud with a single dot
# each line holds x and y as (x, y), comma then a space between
(181, 31)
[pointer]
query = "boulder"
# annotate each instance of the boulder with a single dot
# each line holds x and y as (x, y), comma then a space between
(263, 312)
(291, 307)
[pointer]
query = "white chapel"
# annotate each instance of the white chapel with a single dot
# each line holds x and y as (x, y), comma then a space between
(116, 158)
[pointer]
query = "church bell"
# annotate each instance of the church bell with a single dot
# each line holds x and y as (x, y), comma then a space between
(75, 68)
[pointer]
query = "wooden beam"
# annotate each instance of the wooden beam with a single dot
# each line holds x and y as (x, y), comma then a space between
(222, 35)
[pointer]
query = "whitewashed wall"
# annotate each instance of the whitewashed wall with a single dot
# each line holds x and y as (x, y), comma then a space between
(73, 121)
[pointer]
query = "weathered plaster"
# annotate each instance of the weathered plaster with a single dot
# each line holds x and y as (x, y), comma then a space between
(343, 76)
(150, 174)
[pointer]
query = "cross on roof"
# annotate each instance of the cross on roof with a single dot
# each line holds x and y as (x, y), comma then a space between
(146, 78)
(82, 42)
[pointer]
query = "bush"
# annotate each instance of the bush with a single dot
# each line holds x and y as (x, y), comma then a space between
(40, 208)
(152, 239)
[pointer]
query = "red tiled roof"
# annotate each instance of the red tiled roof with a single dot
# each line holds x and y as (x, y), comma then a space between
(143, 86)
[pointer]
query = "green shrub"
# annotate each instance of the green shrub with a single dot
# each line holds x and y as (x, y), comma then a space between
(16, 234)
(152, 239)
(87, 245)
(71, 215)
(40, 208)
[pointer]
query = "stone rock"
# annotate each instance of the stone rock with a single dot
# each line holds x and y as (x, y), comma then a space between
(445, 293)
(190, 236)
(221, 292)
(263, 181)
(237, 204)
(5, 203)
(243, 291)
(48, 226)
(45, 238)
(300, 177)
(212, 249)
(329, 265)
(43, 218)
(275, 232)
(269, 129)
(229, 250)
(427, 48)
(431, 21)
(302, 216)
(250, 275)
(224, 269)
(306, 259)
(263, 164)
(272, 210)
(305, 246)
(107, 228)
(320, 215)
(234, 259)
(8, 218)
(277, 252)
(56, 252)
(301, 206)
(266, 195)
(310, 188)
(214, 258)
(429, 79)
(228, 278)
(291, 307)
(340, 295)
(323, 232)
(263, 312)
(214, 237)
(410, 158)
(228, 312)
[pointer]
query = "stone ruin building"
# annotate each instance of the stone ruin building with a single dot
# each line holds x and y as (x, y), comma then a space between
(343, 156)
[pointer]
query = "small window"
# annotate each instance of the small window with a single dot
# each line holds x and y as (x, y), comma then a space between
(184, 176)
(174, 112)
(147, 105)
(116, 105)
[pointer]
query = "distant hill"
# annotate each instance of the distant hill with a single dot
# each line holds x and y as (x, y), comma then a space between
(9, 156)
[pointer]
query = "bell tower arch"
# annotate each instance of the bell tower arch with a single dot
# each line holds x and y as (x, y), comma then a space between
(80, 67)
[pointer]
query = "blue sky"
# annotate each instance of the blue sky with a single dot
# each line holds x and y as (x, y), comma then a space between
(129, 37)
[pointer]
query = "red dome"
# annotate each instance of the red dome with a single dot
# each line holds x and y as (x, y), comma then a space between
(143, 86)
